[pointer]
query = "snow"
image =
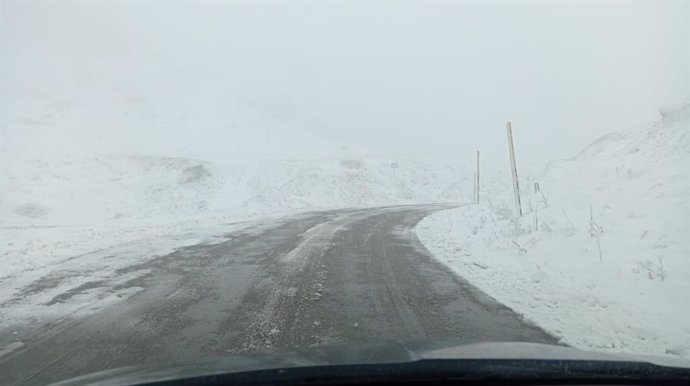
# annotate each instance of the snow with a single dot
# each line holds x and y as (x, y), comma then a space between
(93, 280)
(72, 213)
(546, 265)
(51, 210)
(89, 185)
(10, 347)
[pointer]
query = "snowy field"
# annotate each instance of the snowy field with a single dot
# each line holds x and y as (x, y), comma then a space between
(600, 256)
(51, 211)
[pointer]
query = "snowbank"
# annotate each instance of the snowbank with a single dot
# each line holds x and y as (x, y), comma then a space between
(626, 195)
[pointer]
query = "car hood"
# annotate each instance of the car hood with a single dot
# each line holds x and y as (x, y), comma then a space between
(392, 352)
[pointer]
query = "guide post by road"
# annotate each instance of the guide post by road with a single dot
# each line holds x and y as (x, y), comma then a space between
(477, 181)
(513, 168)
(474, 192)
(394, 165)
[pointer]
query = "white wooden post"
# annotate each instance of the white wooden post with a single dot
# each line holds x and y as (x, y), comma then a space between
(513, 169)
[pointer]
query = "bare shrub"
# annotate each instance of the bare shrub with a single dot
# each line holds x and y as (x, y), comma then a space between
(193, 174)
(503, 211)
(596, 231)
(653, 270)
(521, 250)
(31, 210)
(353, 164)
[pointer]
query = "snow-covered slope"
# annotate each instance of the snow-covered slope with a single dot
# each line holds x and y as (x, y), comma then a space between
(626, 195)
(50, 210)
(70, 192)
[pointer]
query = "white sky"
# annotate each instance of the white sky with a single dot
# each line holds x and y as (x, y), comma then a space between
(395, 78)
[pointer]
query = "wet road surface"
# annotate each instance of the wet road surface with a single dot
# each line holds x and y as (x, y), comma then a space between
(342, 276)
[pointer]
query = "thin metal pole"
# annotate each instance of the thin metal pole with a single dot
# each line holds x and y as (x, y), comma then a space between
(474, 192)
(513, 168)
(477, 176)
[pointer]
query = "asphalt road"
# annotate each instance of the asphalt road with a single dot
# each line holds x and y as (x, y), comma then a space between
(343, 276)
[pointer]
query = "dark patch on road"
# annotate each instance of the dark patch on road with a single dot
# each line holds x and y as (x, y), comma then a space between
(76, 291)
(44, 283)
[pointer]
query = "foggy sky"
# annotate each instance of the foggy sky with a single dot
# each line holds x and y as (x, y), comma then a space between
(392, 78)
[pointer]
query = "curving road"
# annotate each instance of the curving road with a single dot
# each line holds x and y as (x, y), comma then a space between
(357, 275)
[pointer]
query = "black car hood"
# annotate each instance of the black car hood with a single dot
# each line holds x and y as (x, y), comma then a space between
(384, 353)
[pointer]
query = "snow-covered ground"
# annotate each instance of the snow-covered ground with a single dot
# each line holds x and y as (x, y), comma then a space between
(53, 210)
(57, 212)
(628, 192)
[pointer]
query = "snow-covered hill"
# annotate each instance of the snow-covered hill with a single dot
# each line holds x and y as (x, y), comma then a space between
(600, 257)
(71, 192)
(53, 209)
